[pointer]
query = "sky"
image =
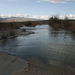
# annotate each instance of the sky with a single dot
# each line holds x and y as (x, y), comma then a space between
(40, 9)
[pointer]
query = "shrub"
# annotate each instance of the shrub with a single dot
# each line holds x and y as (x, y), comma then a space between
(54, 20)
(3, 36)
(28, 23)
(23, 30)
(12, 32)
(56, 23)
(66, 23)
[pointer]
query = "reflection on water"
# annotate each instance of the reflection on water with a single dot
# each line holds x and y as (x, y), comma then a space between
(46, 45)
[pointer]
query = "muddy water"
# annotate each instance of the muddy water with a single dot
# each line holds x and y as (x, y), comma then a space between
(47, 45)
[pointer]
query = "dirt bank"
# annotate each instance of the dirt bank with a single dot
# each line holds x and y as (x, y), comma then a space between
(13, 65)
(10, 64)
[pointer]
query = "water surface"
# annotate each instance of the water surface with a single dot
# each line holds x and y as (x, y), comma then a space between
(46, 45)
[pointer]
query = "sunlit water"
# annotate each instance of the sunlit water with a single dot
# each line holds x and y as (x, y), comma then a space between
(46, 45)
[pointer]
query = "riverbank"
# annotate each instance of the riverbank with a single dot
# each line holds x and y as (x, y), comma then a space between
(18, 32)
(13, 65)
(10, 64)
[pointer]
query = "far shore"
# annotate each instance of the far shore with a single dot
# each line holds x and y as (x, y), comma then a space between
(14, 65)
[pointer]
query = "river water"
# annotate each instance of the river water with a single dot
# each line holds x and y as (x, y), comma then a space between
(46, 44)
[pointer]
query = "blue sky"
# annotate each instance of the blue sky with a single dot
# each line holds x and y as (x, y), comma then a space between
(37, 8)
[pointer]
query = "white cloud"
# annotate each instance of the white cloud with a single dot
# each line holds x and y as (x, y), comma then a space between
(41, 17)
(26, 16)
(61, 17)
(2, 16)
(14, 15)
(56, 1)
(71, 16)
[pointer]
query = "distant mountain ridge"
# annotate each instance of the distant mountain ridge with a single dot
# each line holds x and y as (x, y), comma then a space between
(18, 19)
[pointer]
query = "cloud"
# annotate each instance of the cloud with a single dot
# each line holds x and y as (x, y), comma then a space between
(70, 16)
(41, 17)
(26, 15)
(56, 1)
(2, 16)
(14, 15)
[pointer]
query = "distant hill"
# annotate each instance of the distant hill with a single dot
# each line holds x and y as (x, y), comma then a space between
(18, 19)
(2, 19)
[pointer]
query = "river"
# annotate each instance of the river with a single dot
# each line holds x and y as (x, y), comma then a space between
(46, 44)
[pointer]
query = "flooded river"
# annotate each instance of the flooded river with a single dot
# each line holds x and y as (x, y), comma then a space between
(46, 44)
